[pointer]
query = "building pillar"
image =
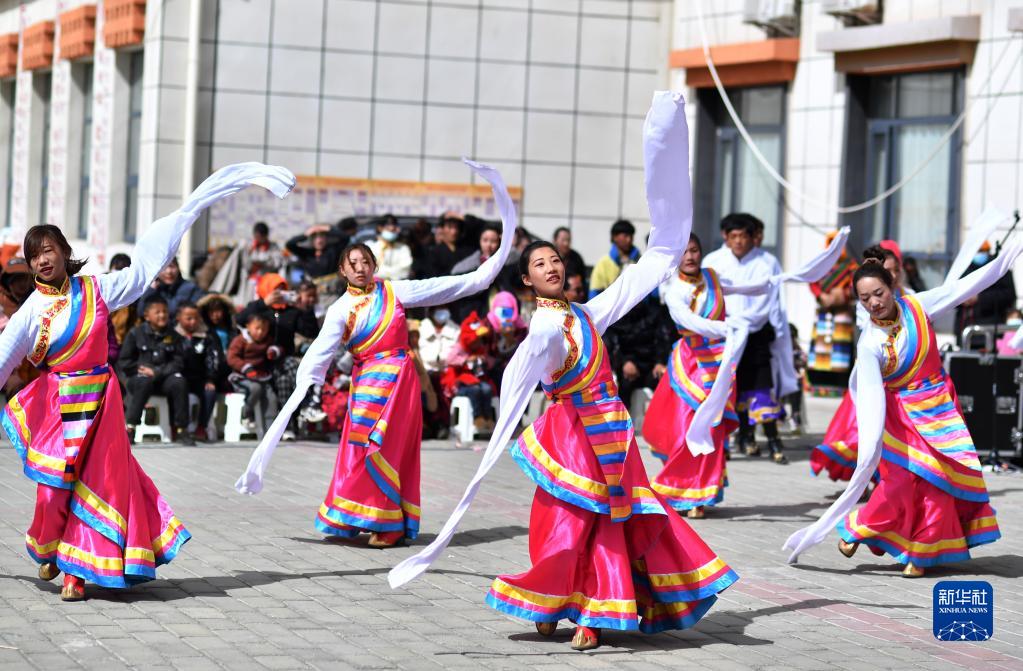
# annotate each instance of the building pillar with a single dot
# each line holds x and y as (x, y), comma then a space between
(60, 124)
(103, 222)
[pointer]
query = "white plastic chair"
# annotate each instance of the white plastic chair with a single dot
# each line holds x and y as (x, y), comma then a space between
(156, 405)
(234, 429)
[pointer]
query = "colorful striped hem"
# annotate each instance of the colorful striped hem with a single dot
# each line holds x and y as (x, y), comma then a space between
(37, 466)
(682, 504)
(619, 614)
(334, 519)
(664, 616)
(920, 554)
(713, 578)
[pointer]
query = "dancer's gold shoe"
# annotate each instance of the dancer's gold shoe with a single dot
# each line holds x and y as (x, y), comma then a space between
(847, 549)
(695, 513)
(585, 638)
(913, 571)
(546, 628)
(74, 588)
(386, 539)
(48, 571)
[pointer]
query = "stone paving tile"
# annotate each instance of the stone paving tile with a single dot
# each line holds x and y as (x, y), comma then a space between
(257, 588)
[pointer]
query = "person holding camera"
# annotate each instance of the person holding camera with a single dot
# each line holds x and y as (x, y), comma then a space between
(287, 321)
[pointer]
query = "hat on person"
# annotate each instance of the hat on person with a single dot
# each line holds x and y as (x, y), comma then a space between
(14, 266)
(504, 312)
(892, 247)
(268, 282)
(473, 330)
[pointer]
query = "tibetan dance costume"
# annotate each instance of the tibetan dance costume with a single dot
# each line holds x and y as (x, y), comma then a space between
(375, 484)
(606, 550)
(98, 516)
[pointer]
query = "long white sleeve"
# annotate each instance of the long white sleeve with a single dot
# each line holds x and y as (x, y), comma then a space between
(685, 318)
(15, 341)
(536, 355)
(952, 293)
(982, 228)
(311, 371)
(870, 417)
(441, 290)
(159, 243)
(670, 200)
(757, 287)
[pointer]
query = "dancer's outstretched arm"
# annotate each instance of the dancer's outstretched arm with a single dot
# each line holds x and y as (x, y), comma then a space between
(869, 394)
(441, 290)
(540, 352)
(311, 371)
(684, 317)
(952, 293)
(670, 200)
(159, 243)
(16, 341)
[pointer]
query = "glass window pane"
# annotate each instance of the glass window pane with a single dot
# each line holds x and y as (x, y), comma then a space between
(762, 106)
(879, 170)
(881, 101)
(726, 168)
(134, 132)
(926, 94)
(756, 192)
(85, 167)
(920, 211)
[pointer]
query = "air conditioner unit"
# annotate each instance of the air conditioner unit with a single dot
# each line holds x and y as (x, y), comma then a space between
(855, 12)
(776, 17)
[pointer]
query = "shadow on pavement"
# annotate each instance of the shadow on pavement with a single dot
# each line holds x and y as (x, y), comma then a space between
(462, 539)
(765, 513)
(1004, 566)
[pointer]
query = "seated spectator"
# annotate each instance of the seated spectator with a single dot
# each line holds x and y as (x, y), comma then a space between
(189, 325)
(437, 336)
(171, 287)
(120, 321)
(575, 288)
(443, 256)
(317, 252)
(509, 330)
(251, 356)
(428, 393)
(394, 258)
(622, 254)
(308, 299)
(151, 362)
(639, 345)
(574, 264)
(217, 314)
(467, 373)
(287, 321)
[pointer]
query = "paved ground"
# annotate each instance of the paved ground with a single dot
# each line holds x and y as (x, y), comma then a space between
(257, 587)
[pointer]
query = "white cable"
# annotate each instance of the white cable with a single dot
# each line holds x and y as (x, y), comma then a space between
(879, 197)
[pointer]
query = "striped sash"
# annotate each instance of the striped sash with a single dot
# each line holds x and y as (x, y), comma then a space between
(933, 412)
(370, 390)
(79, 394)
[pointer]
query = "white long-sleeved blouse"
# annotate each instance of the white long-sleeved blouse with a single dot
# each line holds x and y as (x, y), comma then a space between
(154, 249)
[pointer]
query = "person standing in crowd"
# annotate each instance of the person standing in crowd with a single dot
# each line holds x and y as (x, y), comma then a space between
(575, 288)
(251, 356)
(420, 240)
(912, 272)
(831, 341)
(152, 362)
(189, 326)
(622, 254)
(605, 550)
(375, 483)
(931, 504)
(758, 399)
(172, 287)
(443, 256)
(217, 312)
(394, 255)
(490, 242)
(262, 255)
(317, 251)
(276, 303)
(120, 321)
(987, 308)
(574, 264)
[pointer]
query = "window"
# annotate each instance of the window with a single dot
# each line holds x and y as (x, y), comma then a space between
(131, 191)
(739, 182)
(8, 92)
(905, 118)
(85, 166)
(43, 90)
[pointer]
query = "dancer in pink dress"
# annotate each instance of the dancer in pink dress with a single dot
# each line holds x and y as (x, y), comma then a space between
(375, 485)
(606, 550)
(98, 516)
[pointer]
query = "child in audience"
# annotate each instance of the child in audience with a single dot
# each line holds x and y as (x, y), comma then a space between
(251, 355)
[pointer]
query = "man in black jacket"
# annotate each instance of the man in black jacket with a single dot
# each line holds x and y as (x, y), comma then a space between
(989, 306)
(151, 362)
(318, 251)
(639, 345)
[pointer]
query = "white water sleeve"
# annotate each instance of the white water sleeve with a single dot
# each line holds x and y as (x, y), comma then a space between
(670, 200)
(537, 354)
(311, 371)
(16, 340)
(953, 292)
(159, 243)
(698, 437)
(982, 228)
(870, 415)
(441, 290)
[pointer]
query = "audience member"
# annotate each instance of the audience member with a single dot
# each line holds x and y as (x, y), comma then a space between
(509, 330)
(189, 325)
(639, 345)
(251, 356)
(490, 240)
(443, 256)
(912, 272)
(467, 372)
(394, 257)
(120, 321)
(989, 306)
(574, 264)
(575, 288)
(317, 251)
(151, 362)
(217, 314)
(622, 253)
(16, 285)
(172, 287)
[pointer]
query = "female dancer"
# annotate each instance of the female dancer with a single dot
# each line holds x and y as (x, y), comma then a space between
(931, 504)
(605, 549)
(691, 478)
(375, 485)
(98, 516)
